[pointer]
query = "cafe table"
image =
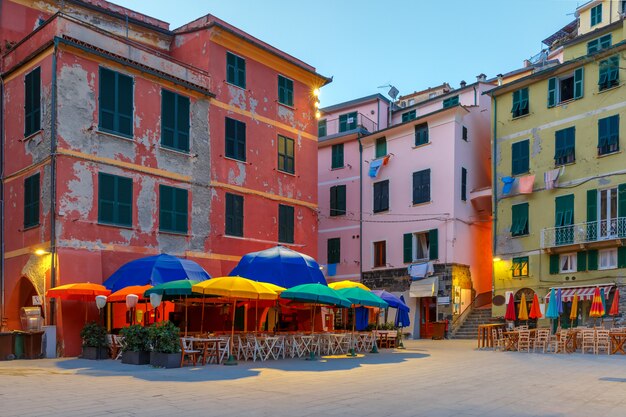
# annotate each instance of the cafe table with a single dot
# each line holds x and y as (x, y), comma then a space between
(617, 342)
(209, 346)
(485, 337)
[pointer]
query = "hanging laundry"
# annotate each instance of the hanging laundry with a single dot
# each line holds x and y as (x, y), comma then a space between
(332, 269)
(386, 160)
(526, 184)
(421, 270)
(375, 167)
(551, 178)
(508, 185)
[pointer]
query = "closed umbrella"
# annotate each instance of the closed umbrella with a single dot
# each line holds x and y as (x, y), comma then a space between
(573, 314)
(615, 305)
(522, 313)
(535, 310)
(559, 304)
(553, 308)
(597, 308)
(510, 309)
(603, 298)
(402, 321)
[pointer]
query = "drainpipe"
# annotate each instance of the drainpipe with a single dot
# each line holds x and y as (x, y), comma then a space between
(2, 222)
(475, 97)
(53, 191)
(360, 207)
(494, 180)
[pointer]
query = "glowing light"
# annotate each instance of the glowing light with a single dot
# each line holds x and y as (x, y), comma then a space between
(41, 252)
(496, 259)
(317, 104)
(318, 114)
(316, 92)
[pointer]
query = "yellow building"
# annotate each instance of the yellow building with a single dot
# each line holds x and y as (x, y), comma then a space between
(560, 169)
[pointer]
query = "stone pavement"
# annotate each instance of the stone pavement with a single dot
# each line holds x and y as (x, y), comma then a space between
(429, 378)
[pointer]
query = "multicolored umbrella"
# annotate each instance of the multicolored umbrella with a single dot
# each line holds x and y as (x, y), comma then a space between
(615, 305)
(535, 310)
(553, 308)
(510, 309)
(597, 307)
(573, 314)
(522, 313)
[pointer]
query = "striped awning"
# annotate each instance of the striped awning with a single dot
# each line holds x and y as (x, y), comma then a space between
(584, 293)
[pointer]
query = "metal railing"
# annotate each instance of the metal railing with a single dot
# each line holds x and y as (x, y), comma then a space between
(349, 124)
(587, 232)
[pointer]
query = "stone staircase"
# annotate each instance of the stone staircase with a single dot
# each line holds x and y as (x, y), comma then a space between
(469, 329)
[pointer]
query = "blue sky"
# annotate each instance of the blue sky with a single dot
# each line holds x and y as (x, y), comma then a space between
(412, 44)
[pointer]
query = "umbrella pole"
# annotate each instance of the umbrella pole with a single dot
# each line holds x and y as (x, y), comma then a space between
(202, 315)
(231, 359)
(374, 344)
(256, 314)
(352, 353)
(312, 352)
(185, 315)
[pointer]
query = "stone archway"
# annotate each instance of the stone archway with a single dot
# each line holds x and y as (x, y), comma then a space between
(23, 294)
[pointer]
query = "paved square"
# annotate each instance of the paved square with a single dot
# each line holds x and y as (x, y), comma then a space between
(429, 378)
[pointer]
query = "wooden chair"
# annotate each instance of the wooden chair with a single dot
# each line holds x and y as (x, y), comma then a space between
(187, 351)
(542, 341)
(603, 342)
(523, 342)
(498, 340)
(392, 337)
(589, 341)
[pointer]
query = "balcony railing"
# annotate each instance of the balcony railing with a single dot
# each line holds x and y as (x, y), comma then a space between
(582, 233)
(338, 126)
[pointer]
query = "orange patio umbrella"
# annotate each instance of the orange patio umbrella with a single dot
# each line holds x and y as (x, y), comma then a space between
(597, 307)
(614, 311)
(535, 310)
(120, 295)
(81, 291)
(522, 313)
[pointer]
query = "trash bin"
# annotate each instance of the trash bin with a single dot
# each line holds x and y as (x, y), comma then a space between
(7, 346)
(32, 345)
(439, 330)
(19, 344)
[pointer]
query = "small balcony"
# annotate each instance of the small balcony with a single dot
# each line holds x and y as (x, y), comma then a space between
(346, 124)
(598, 234)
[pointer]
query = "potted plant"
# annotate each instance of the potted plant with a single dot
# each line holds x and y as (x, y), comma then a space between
(94, 341)
(136, 345)
(165, 345)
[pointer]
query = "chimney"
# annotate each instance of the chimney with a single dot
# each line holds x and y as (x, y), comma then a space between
(481, 77)
(499, 79)
(463, 83)
(527, 63)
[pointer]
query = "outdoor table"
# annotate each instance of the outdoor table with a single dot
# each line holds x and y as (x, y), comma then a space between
(571, 343)
(511, 339)
(485, 338)
(617, 342)
(308, 344)
(205, 347)
(266, 346)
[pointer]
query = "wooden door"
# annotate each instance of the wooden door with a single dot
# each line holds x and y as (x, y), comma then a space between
(428, 310)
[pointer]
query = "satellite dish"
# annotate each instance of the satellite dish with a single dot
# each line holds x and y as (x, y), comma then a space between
(393, 92)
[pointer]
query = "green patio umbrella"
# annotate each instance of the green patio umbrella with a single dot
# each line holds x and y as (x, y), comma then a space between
(360, 297)
(173, 290)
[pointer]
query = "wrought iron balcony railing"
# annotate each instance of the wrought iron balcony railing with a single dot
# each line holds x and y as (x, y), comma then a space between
(349, 123)
(582, 233)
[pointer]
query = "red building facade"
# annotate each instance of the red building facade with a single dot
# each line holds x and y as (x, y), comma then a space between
(122, 138)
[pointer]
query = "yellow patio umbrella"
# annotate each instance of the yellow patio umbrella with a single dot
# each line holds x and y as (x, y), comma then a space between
(339, 285)
(236, 288)
(276, 288)
(522, 313)
(573, 314)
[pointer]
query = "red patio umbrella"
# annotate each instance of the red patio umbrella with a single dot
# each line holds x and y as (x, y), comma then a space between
(535, 310)
(614, 311)
(510, 309)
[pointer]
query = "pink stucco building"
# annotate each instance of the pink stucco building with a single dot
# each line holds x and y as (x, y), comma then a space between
(425, 204)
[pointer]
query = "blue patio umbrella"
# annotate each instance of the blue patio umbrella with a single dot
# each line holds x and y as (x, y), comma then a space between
(280, 266)
(402, 315)
(392, 300)
(553, 308)
(155, 270)
(559, 301)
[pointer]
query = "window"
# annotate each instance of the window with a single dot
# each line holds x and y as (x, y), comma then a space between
(519, 267)
(565, 150)
(172, 209)
(381, 147)
(337, 156)
(520, 157)
(235, 70)
(115, 200)
(421, 134)
(608, 135)
(421, 186)
(31, 201)
(338, 200)
(285, 224)
(421, 246)
(234, 215)
(333, 251)
(286, 158)
(285, 91)
(564, 219)
(32, 102)
(520, 102)
(463, 184)
(174, 121)
(567, 262)
(607, 213)
(596, 45)
(608, 258)
(403, 104)
(321, 128)
(609, 73)
(450, 102)
(566, 88)
(116, 103)
(464, 133)
(596, 15)
(380, 254)
(519, 219)
(235, 139)
(410, 115)
(381, 196)
(347, 122)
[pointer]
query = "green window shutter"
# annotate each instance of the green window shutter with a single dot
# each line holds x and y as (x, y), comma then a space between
(337, 156)
(234, 215)
(564, 216)
(321, 128)
(421, 186)
(520, 157)
(579, 76)
(343, 123)
(408, 116)
(115, 103)
(408, 247)
(286, 159)
(581, 261)
(519, 219)
(173, 210)
(463, 184)
(621, 207)
(124, 201)
(285, 224)
(608, 135)
(593, 46)
(235, 139)
(182, 123)
(552, 92)
(592, 214)
(421, 134)
(333, 201)
(124, 118)
(168, 118)
(554, 264)
(381, 196)
(333, 255)
(32, 102)
(381, 147)
(115, 200)
(596, 15)
(592, 260)
(621, 257)
(235, 70)
(285, 91)
(433, 243)
(516, 103)
(31, 201)
(341, 199)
